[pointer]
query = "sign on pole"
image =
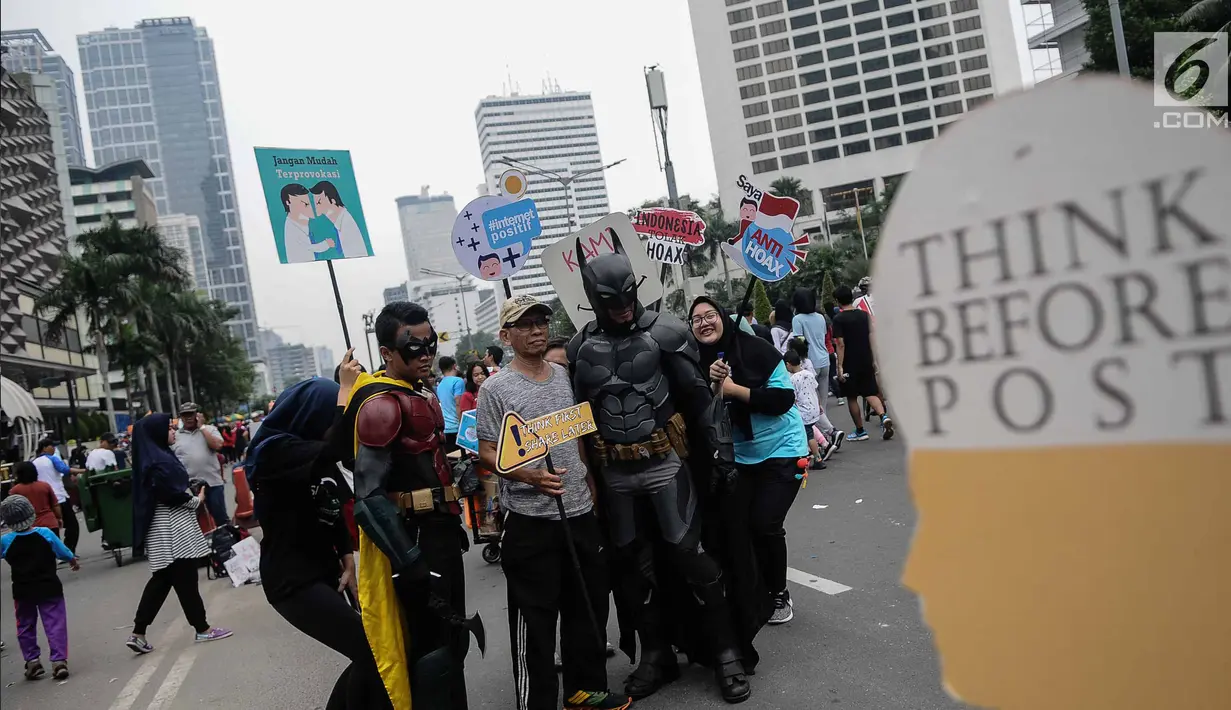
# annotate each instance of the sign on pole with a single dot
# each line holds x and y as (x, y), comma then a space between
(765, 246)
(467, 431)
(525, 442)
(669, 233)
(313, 203)
(493, 234)
(1053, 322)
(601, 237)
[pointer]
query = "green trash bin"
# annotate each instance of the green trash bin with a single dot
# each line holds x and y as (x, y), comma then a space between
(106, 500)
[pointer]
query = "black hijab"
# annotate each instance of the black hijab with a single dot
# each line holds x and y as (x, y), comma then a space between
(752, 360)
(783, 315)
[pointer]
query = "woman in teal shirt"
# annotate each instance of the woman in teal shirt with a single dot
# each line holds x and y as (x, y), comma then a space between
(767, 430)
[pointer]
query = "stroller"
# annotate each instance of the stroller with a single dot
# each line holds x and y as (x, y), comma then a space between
(483, 514)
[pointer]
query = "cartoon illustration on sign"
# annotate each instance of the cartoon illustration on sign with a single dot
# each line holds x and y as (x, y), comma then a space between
(561, 262)
(313, 204)
(493, 234)
(765, 247)
(1054, 322)
(467, 431)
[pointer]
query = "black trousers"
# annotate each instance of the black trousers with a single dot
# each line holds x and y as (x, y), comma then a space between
(72, 527)
(441, 542)
(321, 612)
(180, 575)
(771, 487)
(543, 586)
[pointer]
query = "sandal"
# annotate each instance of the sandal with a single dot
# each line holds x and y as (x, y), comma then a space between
(732, 678)
(654, 672)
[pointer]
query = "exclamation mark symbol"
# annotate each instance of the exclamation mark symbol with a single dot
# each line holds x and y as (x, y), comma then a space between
(516, 431)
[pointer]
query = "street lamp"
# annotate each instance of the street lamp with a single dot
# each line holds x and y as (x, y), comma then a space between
(369, 327)
(564, 180)
(460, 278)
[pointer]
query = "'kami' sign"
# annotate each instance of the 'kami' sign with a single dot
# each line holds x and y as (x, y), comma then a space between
(524, 442)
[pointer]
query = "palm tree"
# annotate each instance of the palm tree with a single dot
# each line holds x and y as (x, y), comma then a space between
(717, 231)
(105, 282)
(792, 187)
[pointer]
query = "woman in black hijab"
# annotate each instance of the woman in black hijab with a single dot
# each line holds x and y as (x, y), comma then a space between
(165, 528)
(767, 431)
(780, 325)
(306, 557)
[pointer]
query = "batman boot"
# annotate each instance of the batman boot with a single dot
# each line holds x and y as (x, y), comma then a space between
(657, 668)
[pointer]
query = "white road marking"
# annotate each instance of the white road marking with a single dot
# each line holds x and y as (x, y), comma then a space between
(132, 689)
(820, 584)
(175, 678)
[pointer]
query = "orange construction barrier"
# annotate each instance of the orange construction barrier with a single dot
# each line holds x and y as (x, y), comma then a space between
(244, 516)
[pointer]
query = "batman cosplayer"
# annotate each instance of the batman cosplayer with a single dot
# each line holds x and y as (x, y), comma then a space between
(411, 581)
(681, 579)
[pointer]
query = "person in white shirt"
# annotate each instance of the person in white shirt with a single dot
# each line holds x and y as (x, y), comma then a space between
(103, 457)
(51, 470)
(329, 203)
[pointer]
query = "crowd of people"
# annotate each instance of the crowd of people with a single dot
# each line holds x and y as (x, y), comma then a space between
(673, 513)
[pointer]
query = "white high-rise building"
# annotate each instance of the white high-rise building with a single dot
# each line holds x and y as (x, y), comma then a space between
(29, 51)
(555, 132)
(842, 95)
(427, 222)
(183, 231)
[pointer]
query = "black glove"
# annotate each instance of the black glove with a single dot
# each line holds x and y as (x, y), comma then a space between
(328, 504)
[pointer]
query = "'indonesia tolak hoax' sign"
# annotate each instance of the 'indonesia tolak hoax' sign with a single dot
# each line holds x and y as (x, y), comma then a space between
(765, 247)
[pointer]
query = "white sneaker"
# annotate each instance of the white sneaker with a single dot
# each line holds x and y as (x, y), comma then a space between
(784, 610)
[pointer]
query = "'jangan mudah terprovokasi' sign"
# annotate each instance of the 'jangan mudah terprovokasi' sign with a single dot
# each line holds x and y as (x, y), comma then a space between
(1054, 324)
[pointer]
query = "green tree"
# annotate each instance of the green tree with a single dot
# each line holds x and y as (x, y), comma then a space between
(561, 324)
(761, 307)
(105, 279)
(1141, 19)
(825, 297)
(471, 347)
(792, 187)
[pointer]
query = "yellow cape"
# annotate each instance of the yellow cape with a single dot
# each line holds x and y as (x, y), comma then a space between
(382, 614)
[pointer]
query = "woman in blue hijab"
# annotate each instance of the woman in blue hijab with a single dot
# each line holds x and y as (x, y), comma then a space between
(165, 527)
(306, 558)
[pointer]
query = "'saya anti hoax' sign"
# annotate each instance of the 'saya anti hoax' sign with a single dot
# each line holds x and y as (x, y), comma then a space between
(1054, 327)
(766, 247)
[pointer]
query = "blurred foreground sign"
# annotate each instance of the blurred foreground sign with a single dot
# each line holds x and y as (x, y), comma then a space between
(1054, 324)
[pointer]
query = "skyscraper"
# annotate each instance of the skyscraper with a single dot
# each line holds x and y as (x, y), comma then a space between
(152, 93)
(427, 222)
(554, 132)
(29, 51)
(844, 96)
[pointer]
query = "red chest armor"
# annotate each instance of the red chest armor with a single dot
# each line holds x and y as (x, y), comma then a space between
(412, 427)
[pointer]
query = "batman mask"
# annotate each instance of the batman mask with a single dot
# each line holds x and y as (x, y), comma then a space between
(410, 347)
(610, 285)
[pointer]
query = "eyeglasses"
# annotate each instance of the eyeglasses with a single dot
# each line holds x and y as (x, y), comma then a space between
(708, 318)
(526, 325)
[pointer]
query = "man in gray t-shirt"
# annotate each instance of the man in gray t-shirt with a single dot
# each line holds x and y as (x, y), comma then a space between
(544, 584)
(511, 391)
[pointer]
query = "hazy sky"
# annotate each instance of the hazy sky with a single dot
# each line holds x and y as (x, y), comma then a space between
(397, 84)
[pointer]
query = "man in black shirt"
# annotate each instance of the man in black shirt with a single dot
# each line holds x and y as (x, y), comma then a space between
(852, 332)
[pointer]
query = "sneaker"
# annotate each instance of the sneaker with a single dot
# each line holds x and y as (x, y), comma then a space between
(138, 644)
(835, 443)
(817, 464)
(34, 670)
(784, 610)
(214, 634)
(886, 428)
(59, 670)
(857, 435)
(597, 700)
(842, 401)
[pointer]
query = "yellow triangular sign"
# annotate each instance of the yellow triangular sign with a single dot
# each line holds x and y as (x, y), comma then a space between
(524, 442)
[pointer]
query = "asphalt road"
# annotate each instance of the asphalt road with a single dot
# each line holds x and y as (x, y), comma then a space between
(862, 648)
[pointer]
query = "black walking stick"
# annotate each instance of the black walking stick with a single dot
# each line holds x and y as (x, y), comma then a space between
(572, 550)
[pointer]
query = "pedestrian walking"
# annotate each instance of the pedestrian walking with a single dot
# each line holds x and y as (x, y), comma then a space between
(832, 436)
(165, 528)
(804, 383)
(449, 391)
(767, 431)
(857, 369)
(307, 562)
(47, 510)
(815, 329)
(53, 471)
(543, 586)
(31, 552)
(780, 324)
(197, 445)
